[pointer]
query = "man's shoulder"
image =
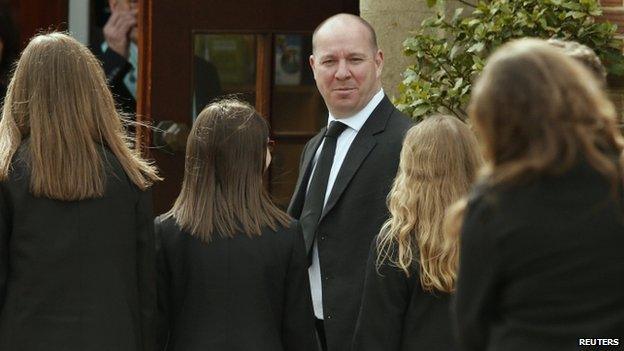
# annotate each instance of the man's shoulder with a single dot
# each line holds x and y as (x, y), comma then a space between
(397, 123)
(394, 118)
(317, 136)
(400, 120)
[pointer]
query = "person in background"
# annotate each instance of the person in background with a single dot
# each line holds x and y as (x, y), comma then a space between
(8, 47)
(346, 172)
(412, 266)
(117, 48)
(584, 55)
(118, 52)
(232, 267)
(77, 250)
(542, 235)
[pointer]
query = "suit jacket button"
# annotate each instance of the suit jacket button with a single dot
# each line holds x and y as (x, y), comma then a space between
(329, 316)
(322, 237)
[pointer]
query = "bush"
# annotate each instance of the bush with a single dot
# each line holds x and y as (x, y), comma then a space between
(449, 53)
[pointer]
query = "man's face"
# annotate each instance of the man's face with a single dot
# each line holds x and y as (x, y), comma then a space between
(346, 67)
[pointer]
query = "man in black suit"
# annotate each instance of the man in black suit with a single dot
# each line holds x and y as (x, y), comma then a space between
(346, 172)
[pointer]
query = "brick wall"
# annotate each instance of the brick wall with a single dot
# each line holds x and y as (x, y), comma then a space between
(613, 11)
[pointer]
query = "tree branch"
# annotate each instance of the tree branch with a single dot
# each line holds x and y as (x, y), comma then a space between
(467, 3)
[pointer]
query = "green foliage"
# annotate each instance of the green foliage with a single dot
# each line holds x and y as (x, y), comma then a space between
(449, 52)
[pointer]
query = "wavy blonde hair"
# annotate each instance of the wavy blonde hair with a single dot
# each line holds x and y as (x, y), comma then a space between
(58, 98)
(439, 159)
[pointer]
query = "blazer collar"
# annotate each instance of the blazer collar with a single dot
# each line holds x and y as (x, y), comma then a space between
(296, 204)
(362, 145)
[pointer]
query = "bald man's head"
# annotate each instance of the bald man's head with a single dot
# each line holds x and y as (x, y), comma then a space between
(346, 64)
(336, 22)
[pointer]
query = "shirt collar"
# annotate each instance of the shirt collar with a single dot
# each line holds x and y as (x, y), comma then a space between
(357, 120)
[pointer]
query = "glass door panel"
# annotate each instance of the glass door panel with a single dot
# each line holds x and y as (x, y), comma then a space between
(223, 65)
(297, 110)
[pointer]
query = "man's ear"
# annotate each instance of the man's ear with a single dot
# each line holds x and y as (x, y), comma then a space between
(312, 65)
(379, 62)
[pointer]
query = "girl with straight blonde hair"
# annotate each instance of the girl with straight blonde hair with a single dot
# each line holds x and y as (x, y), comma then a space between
(412, 265)
(232, 268)
(76, 239)
(541, 261)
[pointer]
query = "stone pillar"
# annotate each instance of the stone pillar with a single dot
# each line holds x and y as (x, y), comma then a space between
(613, 11)
(393, 20)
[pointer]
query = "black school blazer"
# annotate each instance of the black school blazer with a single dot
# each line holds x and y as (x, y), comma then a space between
(76, 275)
(542, 265)
(233, 294)
(398, 315)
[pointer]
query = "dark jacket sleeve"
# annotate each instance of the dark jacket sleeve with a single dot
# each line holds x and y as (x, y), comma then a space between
(476, 282)
(115, 66)
(5, 233)
(164, 293)
(384, 302)
(298, 321)
(146, 268)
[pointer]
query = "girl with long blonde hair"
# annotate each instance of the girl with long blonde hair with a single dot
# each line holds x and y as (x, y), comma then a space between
(76, 239)
(412, 265)
(542, 234)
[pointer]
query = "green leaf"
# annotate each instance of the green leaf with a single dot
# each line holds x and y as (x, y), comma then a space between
(455, 51)
(457, 13)
(458, 83)
(420, 111)
(476, 47)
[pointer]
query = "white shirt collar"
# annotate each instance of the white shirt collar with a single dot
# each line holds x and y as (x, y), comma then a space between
(357, 120)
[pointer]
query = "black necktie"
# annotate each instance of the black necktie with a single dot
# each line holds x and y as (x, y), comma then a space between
(315, 198)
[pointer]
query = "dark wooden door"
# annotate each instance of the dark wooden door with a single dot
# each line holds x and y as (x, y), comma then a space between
(34, 16)
(259, 50)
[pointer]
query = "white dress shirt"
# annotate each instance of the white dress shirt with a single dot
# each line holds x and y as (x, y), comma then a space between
(343, 143)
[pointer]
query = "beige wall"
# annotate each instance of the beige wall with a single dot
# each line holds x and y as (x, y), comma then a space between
(393, 20)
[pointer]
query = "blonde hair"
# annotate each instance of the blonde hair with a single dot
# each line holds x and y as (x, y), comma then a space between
(539, 112)
(59, 100)
(438, 163)
(222, 189)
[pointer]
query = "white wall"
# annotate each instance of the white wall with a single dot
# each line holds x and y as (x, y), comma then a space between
(79, 20)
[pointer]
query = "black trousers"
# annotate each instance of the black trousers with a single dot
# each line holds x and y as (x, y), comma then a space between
(320, 333)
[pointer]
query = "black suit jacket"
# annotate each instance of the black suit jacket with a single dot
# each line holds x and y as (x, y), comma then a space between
(542, 265)
(353, 215)
(76, 275)
(398, 315)
(234, 294)
(115, 68)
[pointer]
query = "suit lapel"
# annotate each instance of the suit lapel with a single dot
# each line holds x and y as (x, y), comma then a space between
(360, 148)
(296, 205)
